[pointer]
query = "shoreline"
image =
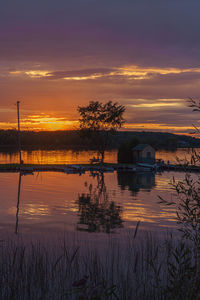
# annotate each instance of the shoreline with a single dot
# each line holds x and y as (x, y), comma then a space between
(73, 168)
(82, 168)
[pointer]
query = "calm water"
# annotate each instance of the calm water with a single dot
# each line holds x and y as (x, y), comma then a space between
(70, 156)
(51, 203)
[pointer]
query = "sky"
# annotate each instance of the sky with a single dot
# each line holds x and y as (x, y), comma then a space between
(58, 55)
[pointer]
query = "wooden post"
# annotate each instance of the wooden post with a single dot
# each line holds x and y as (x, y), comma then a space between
(19, 137)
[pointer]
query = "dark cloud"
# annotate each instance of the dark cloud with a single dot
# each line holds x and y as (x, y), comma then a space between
(109, 33)
(175, 79)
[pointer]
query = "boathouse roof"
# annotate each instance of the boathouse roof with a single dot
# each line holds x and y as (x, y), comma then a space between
(140, 147)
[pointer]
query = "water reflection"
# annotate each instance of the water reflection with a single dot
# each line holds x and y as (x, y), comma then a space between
(96, 212)
(55, 156)
(136, 181)
(74, 156)
(18, 203)
(51, 203)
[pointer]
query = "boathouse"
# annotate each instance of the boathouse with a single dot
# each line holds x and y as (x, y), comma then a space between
(143, 153)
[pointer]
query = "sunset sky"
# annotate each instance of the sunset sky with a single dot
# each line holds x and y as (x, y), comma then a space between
(56, 55)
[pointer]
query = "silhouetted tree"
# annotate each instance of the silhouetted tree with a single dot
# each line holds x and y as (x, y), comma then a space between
(98, 120)
(125, 154)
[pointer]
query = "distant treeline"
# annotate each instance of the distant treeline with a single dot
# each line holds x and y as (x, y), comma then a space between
(159, 140)
(72, 139)
(40, 139)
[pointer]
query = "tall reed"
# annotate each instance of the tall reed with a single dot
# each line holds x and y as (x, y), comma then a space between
(140, 266)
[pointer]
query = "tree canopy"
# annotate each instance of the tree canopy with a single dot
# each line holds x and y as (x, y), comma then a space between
(99, 116)
(97, 120)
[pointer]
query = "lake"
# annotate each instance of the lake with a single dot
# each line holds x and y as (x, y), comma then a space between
(81, 157)
(53, 203)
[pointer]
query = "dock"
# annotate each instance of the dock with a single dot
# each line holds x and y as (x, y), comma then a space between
(66, 168)
(180, 168)
(82, 168)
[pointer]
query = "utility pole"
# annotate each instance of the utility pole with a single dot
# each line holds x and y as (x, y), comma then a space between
(19, 137)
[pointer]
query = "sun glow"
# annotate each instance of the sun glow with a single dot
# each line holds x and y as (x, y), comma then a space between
(48, 122)
(42, 122)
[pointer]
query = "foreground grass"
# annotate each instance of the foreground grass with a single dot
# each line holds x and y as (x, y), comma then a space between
(137, 268)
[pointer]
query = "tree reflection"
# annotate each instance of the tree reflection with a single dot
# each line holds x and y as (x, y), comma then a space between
(96, 212)
(136, 181)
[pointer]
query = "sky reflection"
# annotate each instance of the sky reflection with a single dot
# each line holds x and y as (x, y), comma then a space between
(81, 157)
(48, 202)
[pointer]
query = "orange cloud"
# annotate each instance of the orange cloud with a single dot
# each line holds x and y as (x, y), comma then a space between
(158, 127)
(41, 122)
(129, 72)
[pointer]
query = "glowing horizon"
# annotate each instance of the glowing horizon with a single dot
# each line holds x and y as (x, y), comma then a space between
(52, 123)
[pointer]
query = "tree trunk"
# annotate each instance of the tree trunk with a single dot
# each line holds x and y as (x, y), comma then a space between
(102, 157)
